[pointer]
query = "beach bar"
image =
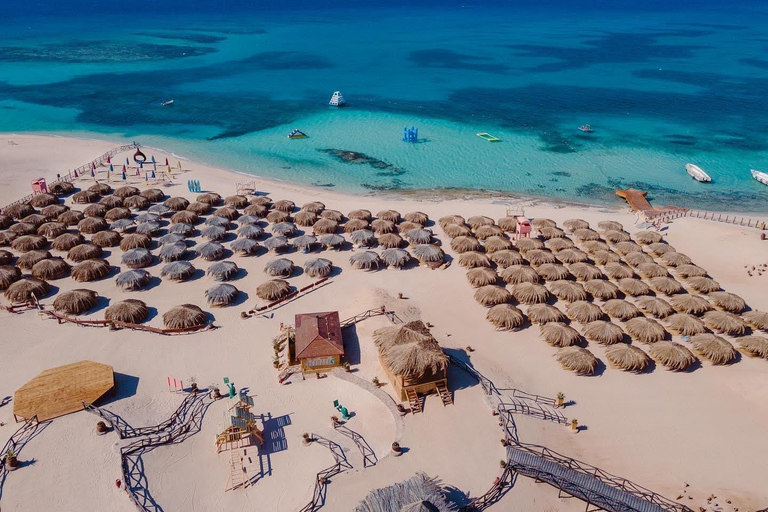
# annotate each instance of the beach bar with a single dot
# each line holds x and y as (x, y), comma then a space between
(319, 345)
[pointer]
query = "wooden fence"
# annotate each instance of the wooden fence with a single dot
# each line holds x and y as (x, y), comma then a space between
(727, 218)
(322, 478)
(115, 323)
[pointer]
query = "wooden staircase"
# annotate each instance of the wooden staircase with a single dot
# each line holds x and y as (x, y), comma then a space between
(445, 395)
(236, 470)
(414, 401)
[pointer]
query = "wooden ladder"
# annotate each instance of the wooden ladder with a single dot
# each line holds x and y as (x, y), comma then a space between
(445, 395)
(236, 470)
(413, 401)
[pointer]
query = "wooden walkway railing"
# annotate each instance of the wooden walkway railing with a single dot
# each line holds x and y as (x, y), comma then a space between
(369, 456)
(321, 481)
(726, 218)
(364, 315)
(114, 323)
(16, 442)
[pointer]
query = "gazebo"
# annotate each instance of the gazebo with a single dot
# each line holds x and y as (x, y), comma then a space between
(319, 345)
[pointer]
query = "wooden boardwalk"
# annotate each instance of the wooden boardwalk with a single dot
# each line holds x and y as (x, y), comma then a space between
(638, 202)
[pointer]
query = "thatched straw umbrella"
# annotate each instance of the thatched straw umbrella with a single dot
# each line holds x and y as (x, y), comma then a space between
(675, 259)
(586, 234)
(491, 295)
(273, 290)
(558, 244)
(8, 276)
(176, 204)
(665, 285)
(281, 267)
(577, 359)
(84, 252)
(62, 188)
(41, 200)
(480, 220)
(134, 241)
(755, 346)
(366, 260)
(659, 248)
(728, 301)
(428, 254)
(756, 319)
(305, 218)
(90, 270)
(172, 252)
(213, 232)
(703, 284)
(544, 313)
(482, 276)
(315, 207)
(615, 237)
(18, 211)
(91, 225)
(127, 191)
(648, 270)
(170, 238)
(257, 210)
(199, 208)
(508, 224)
(6, 257)
(530, 293)
(646, 330)
(360, 214)
(262, 201)
(390, 240)
(68, 240)
(363, 238)
(325, 226)
(692, 304)
(484, 232)
(560, 335)
(601, 289)
(121, 225)
(451, 219)
(148, 228)
(318, 267)
(153, 195)
(625, 248)
(648, 237)
(35, 219)
(28, 259)
(353, 225)
(332, 240)
(505, 317)
(132, 279)
(390, 215)
(528, 244)
(24, 289)
(211, 198)
(627, 357)
(394, 257)
(621, 309)
(185, 217)
(236, 201)
(571, 256)
(605, 257)
(585, 271)
(74, 302)
(284, 205)
(223, 270)
(473, 259)
(247, 219)
(572, 225)
(71, 218)
(250, 231)
(111, 202)
(553, 271)
(655, 306)
(515, 274)
(178, 271)
(724, 322)
(539, 257)
(137, 258)
(462, 244)
(221, 294)
(380, 226)
(690, 271)
(616, 270)
(276, 243)
(210, 251)
(417, 217)
(83, 197)
(583, 312)
(685, 324)
(51, 211)
(548, 233)
(633, 287)
(605, 333)
(505, 258)
(497, 243)
(185, 316)
(159, 209)
(245, 246)
(95, 210)
(671, 355)
(130, 311)
(568, 290)
(406, 226)
(52, 229)
(228, 213)
(713, 348)
(593, 246)
(418, 236)
(607, 225)
(136, 202)
(53, 268)
(304, 243)
(543, 223)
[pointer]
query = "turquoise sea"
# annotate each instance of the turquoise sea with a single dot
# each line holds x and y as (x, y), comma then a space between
(661, 85)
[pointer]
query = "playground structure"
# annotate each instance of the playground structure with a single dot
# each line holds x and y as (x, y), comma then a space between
(410, 134)
(297, 134)
(239, 429)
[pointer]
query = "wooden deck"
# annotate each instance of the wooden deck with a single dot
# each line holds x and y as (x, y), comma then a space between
(638, 202)
(62, 390)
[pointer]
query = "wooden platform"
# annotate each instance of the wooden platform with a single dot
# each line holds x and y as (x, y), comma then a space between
(638, 202)
(62, 390)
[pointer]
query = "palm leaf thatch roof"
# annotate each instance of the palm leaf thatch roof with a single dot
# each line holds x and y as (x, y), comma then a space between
(223, 270)
(247, 219)
(53, 268)
(62, 188)
(136, 258)
(418, 236)
(482, 276)
(541, 222)
(82, 197)
(397, 258)
(182, 229)
(567, 290)
(451, 219)
(480, 220)
(463, 244)
(24, 289)
(117, 214)
(659, 248)
(84, 252)
(713, 348)
(572, 225)
(304, 242)
(213, 232)
(508, 223)
(545, 313)
(210, 251)
(67, 241)
(366, 260)
(583, 312)
(380, 226)
(491, 295)
(211, 198)
(558, 334)
(8, 276)
(553, 271)
(315, 207)
(276, 243)
(390, 240)
(185, 217)
(724, 322)
(178, 271)
(41, 200)
(505, 317)
(199, 208)
(685, 324)
(176, 204)
(52, 229)
(625, 248)
(148, 217)
(245, 246)
(649, 270)
(603, 257)
(360, 214)
(528, 244)
(539, 257)
(111, 201)
(184, 317)
(586, 235)
(355, 224)
(172, 252)
(648, 237)
(558, 244)
(410, 350)
(690, 271)
(571, 256)
(406, 226)
(136, 202)
(130, 311)
(428, 253)
(473, 259)
(548, 233)
(230, 214)
(318, 267)
(332, 240)
(627, 357)
(454, 230)
(497, 243)
(273, 290)
(506, 258)
(6, 257)
(95, 210)
(655, 306)
(484, 232)
(613, 236)
(281, 267)
(671, 355)
(603, 332)
(126, 191)
(132, 279)
(284, 205)
(121, 225)
(728, 301)
(417, 217)
(28, 243)
(665, 285)
(703, 284)
(621, 309)
(262, 201)
(515, 274)
(28, 259)
(170, 238)
(74, 302)
(592, 246)
(577, 359)
(250, 231)
(236, 201)
(221, 294)
(692, 304)
(756, 319)
(363, 237)
(601, 289)
(90, 270)
(755, 346)
(325, 226)
(633, 287)
(585, 271)
(23, 228)
(675, 259)
(134, 241)
(71, 218)
(530, 293)
(305, 218)
(390, 215)
(50, 212)
(154, 195)
(148, 228)
(646, 330)
(605, 225)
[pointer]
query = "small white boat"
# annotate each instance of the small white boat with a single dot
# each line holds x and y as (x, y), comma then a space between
(166, 103)
(337, 100)
(586, 128)
(760, 176)
(695, 172)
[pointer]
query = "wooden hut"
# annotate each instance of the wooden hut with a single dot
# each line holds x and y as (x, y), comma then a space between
(239, 428)
(319, 345)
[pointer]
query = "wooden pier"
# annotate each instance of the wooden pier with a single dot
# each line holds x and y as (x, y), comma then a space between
(638, 202)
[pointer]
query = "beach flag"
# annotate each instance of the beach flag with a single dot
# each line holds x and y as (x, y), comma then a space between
(107, 175)
(178, 164)
(169, 169)
(146, 177)
(109, 160)
(153, 174)
(153, 159)
(111, 169)
(137, 172)
(123, 175)
(127, 162)
(76, 173)
(166, 161)
(93, 174)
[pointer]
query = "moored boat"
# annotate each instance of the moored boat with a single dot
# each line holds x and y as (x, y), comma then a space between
(695, 172)
(586, 128)
(337, 100)
(760, 176)
(166, 103)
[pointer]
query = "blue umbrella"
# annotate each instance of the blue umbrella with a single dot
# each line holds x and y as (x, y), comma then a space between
(93, 175)
(123, 175)
(141, 164)
(127, 162)
(111, 169)
(153, 173)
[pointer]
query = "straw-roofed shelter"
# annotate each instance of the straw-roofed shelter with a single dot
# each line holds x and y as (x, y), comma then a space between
(462, 244)
(473, 259)
(148, 217)
(35, 219)
(586, 235)
(62, 188)
(625, 248)
(91, 225)
(126, 191)
(257, 210)
(315, 207)
(671, 355)
(390, 240)
(284, 205)
(482, 276)
(325, 226)
(515, 274)
(6, 257)
(616, 270)
(211, 198)
(593, 246)
(281, 267)
(558, 244)
(18, 211)
(655, 306)
(572, 225)
(648, 237)
(454, 230)
(756, 319)
(507, 257)
(621, 309)
(29, 258)
(559, 334)
(659, 248)
(247, 219)
(394, 257)
(186, 316)
(74, 302)
(492, 294)
(172, 252)
(505, 317)
(53, 268)
(273, 290)
(627, 357)
(539, 257)
(52, 229)
(360, 214)
(429, 254)
(406, 226)
(185, 217)
(221, 222)
(90, 270)
(675, 259)
(541, 222)
(703, 284)
(497, 243)
(605, 257)
(577, 359)
(693, 304)
(129, 311)
(605, 333)
(690, 271)
(71, 217)
(585, 271)
(210, 251)
(648, 270)
(484, 232)
(606, 225)
(568, 290)
(305, 218)
(8, 275)
(148, 228)
(545, 313)
(665, 285)
(451, 219)
(121, 225)
(95, 210)
(153, 195)
(530, 293)
(728, 301)
(245, 246)
(390, 215)
(213, 233)
(366, 260)
(417, 217)
(250, 231)
(724, 322)
(178, 271)
(134, 241)
(199, 208)
(82, 197)
(380, 226)
(136, 202)
(584, 312)
(646, 330)
(170, 238)
(262, 201)
(418, 236)
(41, 200)
(548, 233)
(553, 271)
(176, 204)
(225, 212)
(713, 348)
(508, 224)
(613, 236)
(685, 324)
(353, 225)
(236, 201)
(363, 238)
(318, 267)
(160, 209)
(221, 294)
(479, 220)
(24, 289)
(84, 252)
(528, 244)
(223, 270)
(137, 258)
(633, 287)
(132, 279)
(601, 289)
(332, 240)
(111, 202)
(754, 346)
(304, 242)
(571, 256)
(67, 241)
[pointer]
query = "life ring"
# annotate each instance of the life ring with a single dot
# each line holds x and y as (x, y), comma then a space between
(139, 157)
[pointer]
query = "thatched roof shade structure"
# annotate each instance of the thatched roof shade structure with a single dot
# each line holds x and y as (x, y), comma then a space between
(755, 346)
(225, 212)
(127, 191)
(728, 301)
(135, 240)
(394, 257)
(102, 189)
(484, 232)
(473, 259)
(170, 238)
(497, 243)
(245, 246)
(418, 236)
(655, 306)
(420, 493)
(544, 313)
(172, 252)
(154, 195)
(198, 208)
(262, 201)
(462, 244)
(106, 239)
(713, 348)
(51, 212)
(304, 242)
(247, 219)
(601, 289)
(41, 200)
(62, 188)
(410, 351)
(648, 270)
(185, 217)
(211, 198)
(332, 240)
(53, 268)
(406, 226)
(223, 270)
(584, 312)
(390, 215)
(724, 322)
(276, 243)
(160, 209)
(380, 226)
(572, 225)
(659, 248)
(621, 309)
(334, 215)
(560, 335)
(281, 267)
(508, 224)
(539, 257)
(95, 210)
(136, 202)
(8, 276)
(558, 244)
(671, 355)
(451, 219)
(606, 225)
(305, 218)
(428, 254)
(543, 223)
(363, 238)
(585, 271)
(646, 330)
(178, 271)
(571, 256)
(390, 241)
(528, 244)
(604, 257)
(530, 293)
(213, 232)
(675, 259)
(553, 271)
(83, 197)
(6, 257)
(325, 226)
(703, 284)
(505, 258)
(685, 324)
(605, 333)
(28, 259)
(690, 271)
(505, 317)
(132, 279)
(273, 290)
(593, 246)
(633, 287)
(417, 217)
(35, 219)
(90, 225)
(648, 237)
(692, 304)
(491, 295)
(616, 270)
(221, 294)
(586, 234)
(366, 260)
(130, 311)
(74, 302)
(551, 232)
(137, 258)
(176, 204)
(52, 229)
(577, 359)
(18, 211)
(482, 276)
(90, 270)
(250, 231)
(68, 240)
(315, 207)
(665, 285)
(360, 214)
(284, 205)
(615, 237)
(318, 267)
(356, 224)
(236, 201)
(479, 220)
(625, 248)
(111, 202)
(71, 218)
(84, 252)
(185, 316)
(24, 289)
(121, 225)
(627, 357)
(515, 274)
(568, 291)
(756, 319)
(210, 251)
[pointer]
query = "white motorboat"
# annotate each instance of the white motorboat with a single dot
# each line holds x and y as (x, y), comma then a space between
(760, 176)
(695, 172)
(166, 103)
(337, 100)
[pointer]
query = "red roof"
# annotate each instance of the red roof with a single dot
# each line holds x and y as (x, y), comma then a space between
(318, 335)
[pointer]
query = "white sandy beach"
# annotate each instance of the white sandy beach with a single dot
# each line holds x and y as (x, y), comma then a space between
(695, 433)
